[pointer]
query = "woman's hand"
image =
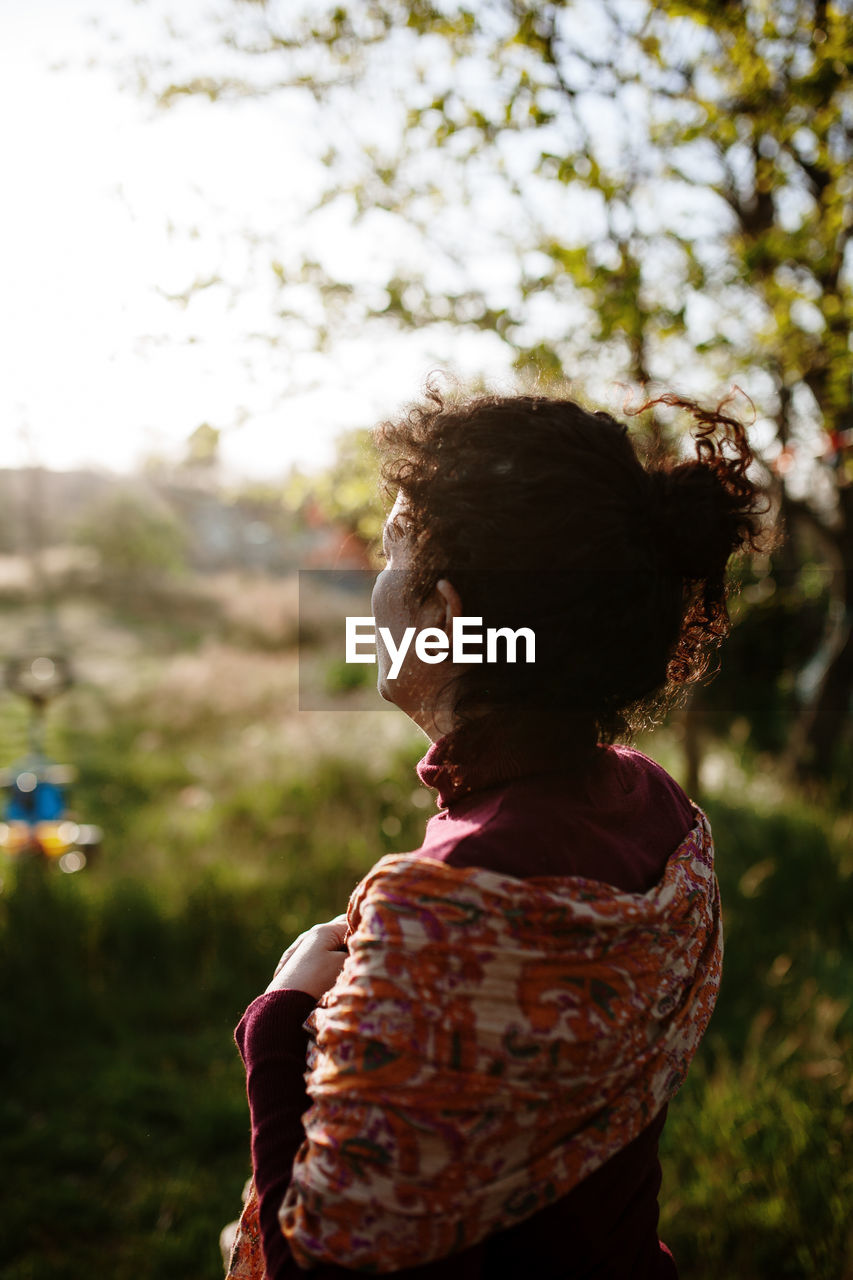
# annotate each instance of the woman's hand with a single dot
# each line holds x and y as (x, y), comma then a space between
(313, 962)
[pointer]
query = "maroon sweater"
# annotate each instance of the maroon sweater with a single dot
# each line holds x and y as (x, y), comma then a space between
(520, 815)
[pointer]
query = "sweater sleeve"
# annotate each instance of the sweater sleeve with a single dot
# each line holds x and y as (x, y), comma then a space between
(273, 1044)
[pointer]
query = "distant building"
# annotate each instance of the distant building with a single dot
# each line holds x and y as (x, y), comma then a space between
(43, 507)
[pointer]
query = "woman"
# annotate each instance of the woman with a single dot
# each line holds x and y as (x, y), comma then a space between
(494, 1031)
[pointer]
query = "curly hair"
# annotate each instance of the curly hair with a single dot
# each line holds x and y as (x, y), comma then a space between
(541, 514)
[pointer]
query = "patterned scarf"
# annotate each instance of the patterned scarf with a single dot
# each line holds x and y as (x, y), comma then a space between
(490, 1042)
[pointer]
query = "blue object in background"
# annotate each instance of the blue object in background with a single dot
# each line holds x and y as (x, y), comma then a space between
(45, 803)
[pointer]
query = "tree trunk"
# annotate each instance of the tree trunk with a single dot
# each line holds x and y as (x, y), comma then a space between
(822, 723)
(826, 719)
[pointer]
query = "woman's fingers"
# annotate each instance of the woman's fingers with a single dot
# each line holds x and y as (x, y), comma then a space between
(333, 931)
(313, 966)
(285, 955)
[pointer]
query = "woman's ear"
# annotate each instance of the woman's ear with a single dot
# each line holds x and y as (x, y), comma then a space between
(448, 602)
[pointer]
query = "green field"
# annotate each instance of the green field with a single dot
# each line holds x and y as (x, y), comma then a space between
(232, 822)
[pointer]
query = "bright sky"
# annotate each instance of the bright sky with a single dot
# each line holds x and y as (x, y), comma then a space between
(113, 208)
(98, 366)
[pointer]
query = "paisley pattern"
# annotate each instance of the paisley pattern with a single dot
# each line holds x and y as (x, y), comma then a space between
(489, 1043)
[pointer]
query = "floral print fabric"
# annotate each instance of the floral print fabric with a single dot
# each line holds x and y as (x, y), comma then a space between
(489, 1043)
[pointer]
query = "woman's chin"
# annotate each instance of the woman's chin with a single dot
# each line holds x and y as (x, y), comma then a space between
(388, 690)
(397, 694)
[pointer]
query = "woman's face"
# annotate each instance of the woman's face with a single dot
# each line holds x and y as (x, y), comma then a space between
(416, 687)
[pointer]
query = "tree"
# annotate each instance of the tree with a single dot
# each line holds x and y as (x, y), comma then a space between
(346, 491)
(203, 448)
(665, 184)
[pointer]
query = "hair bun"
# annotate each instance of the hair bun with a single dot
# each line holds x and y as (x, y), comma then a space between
(693, 518)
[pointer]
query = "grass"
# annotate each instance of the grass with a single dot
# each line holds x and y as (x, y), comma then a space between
(231, 824)
(123, 1110)
(756, 1182)
(124, 1106)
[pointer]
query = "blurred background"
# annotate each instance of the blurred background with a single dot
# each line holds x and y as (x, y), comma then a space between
(235, 234)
